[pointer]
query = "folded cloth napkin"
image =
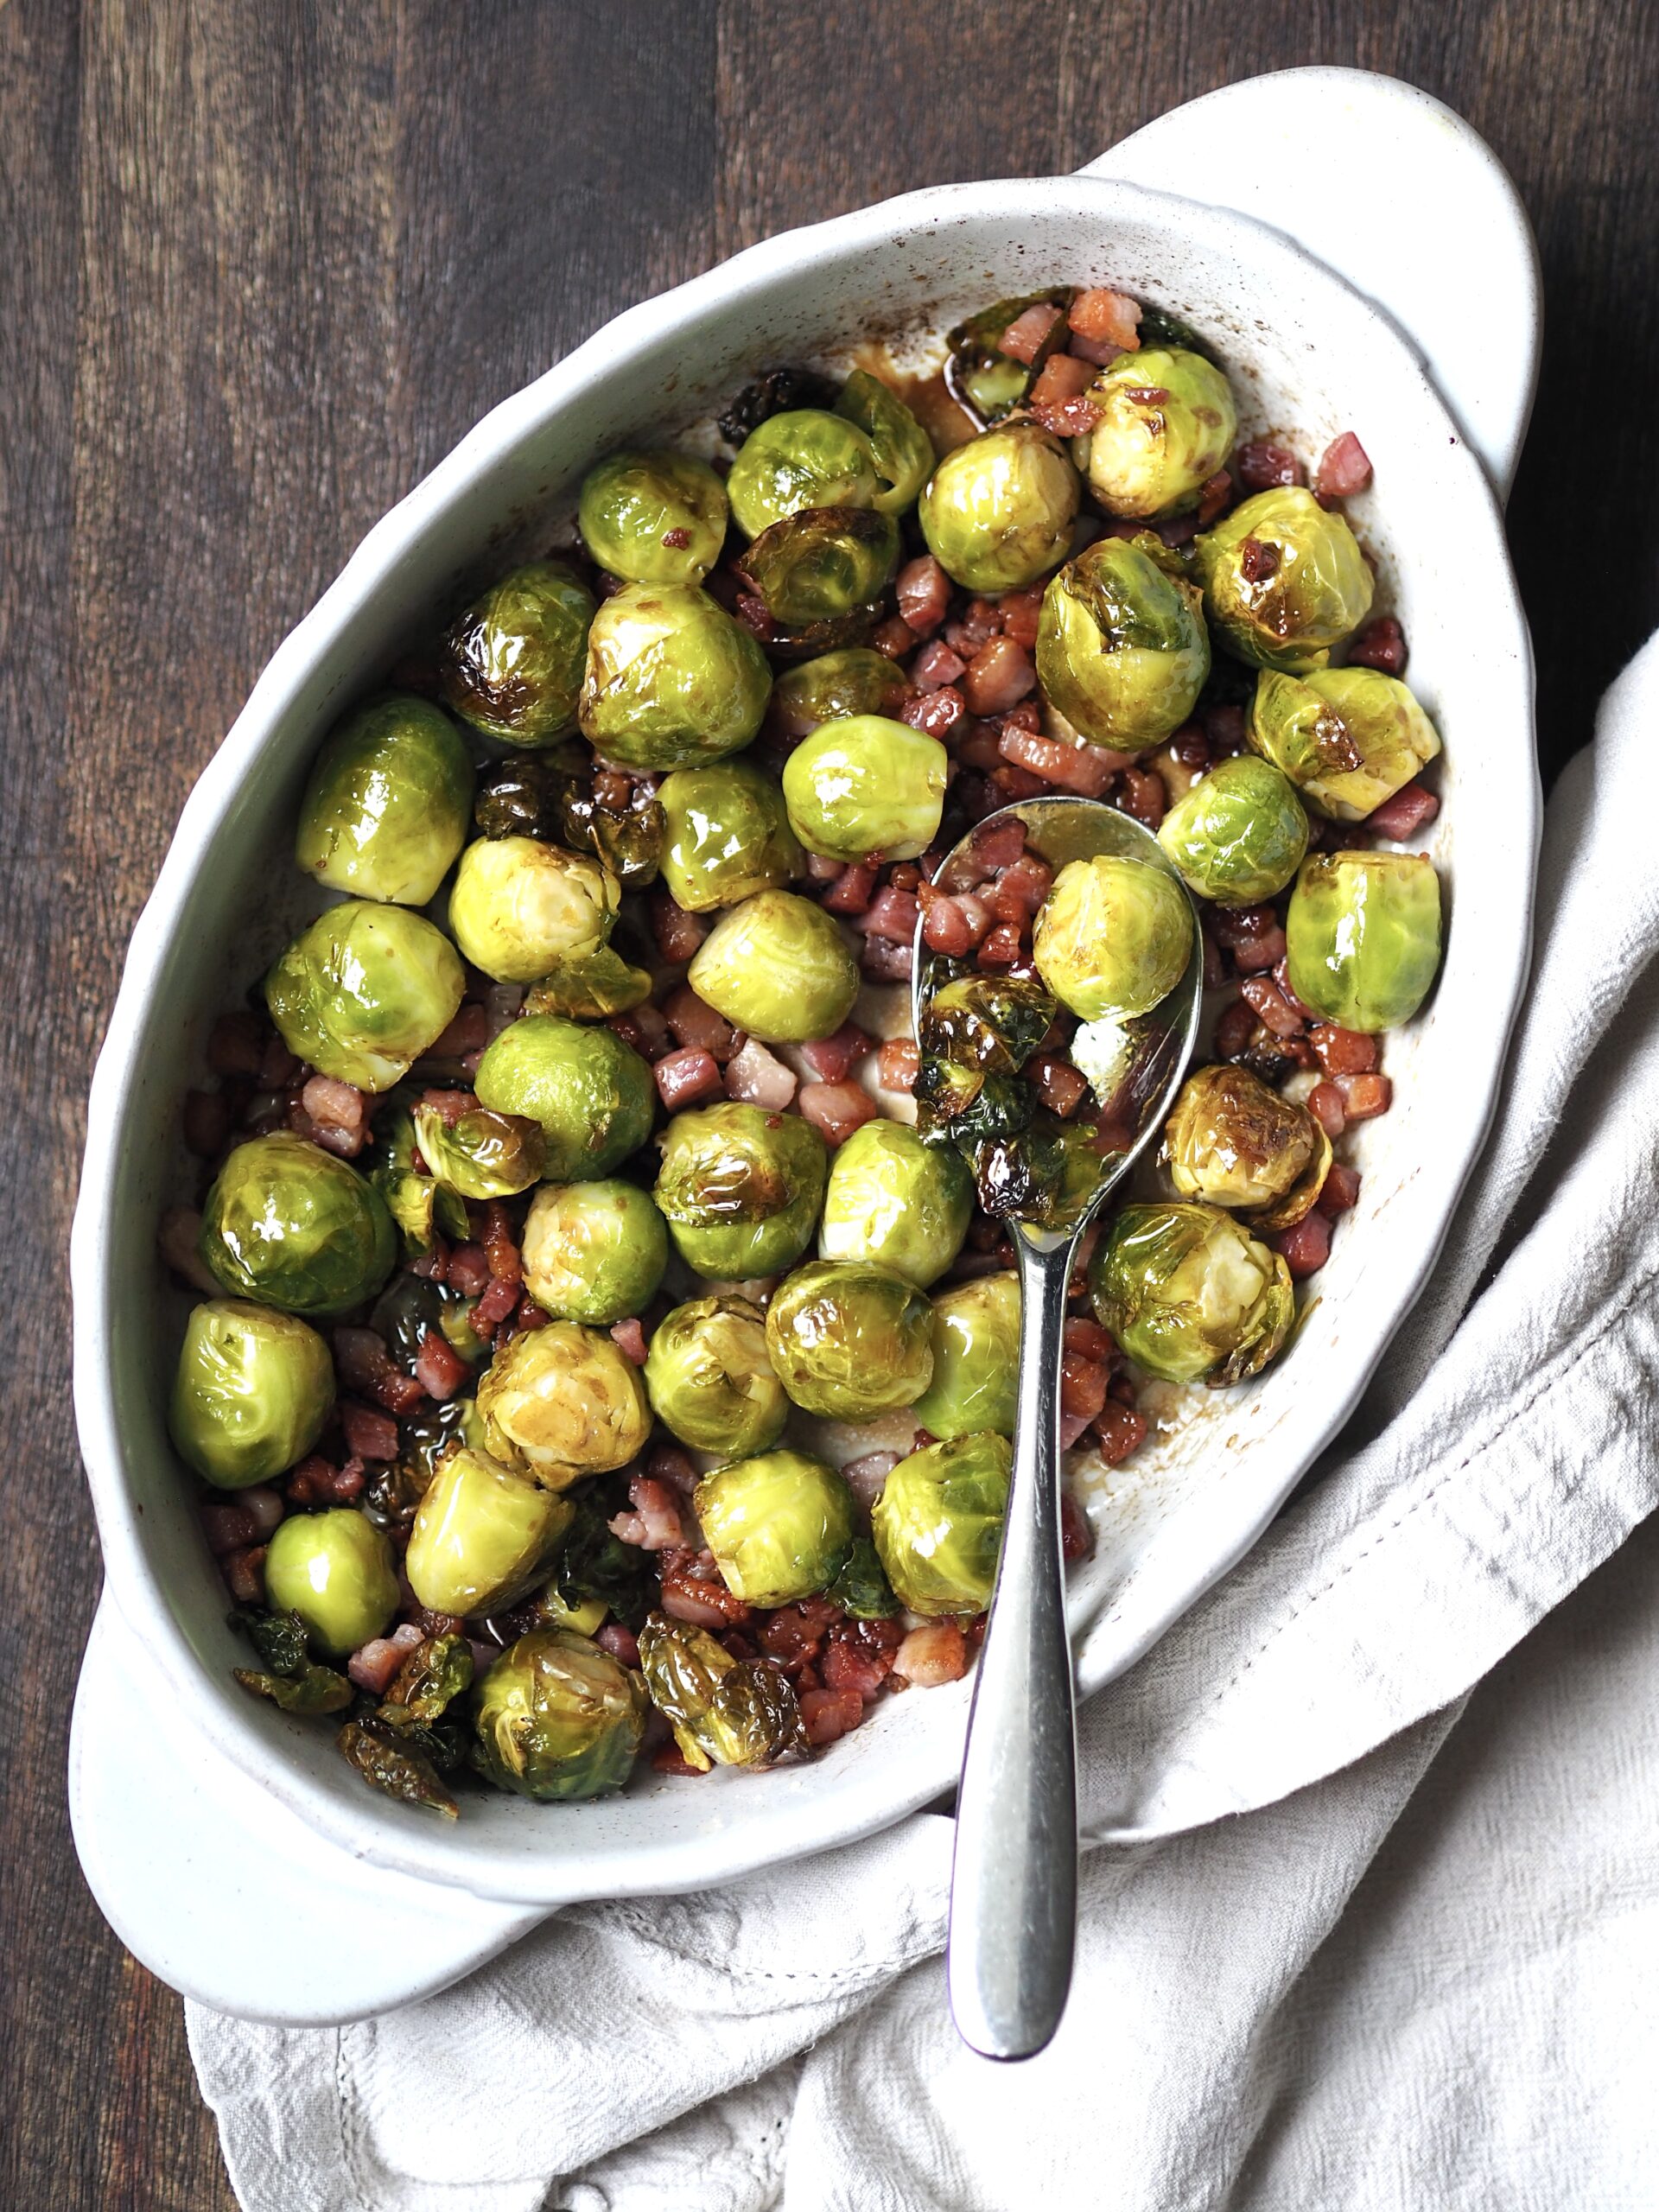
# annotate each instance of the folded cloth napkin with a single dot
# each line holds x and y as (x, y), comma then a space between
(1345, 1938)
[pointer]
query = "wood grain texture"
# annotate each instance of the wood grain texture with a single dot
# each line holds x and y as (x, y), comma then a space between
(265, 262)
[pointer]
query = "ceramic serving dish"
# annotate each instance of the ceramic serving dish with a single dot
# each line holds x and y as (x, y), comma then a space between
(1311, 351)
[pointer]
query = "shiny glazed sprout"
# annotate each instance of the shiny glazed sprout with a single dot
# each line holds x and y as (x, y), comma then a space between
(335, 1570)
(560, 1402)
(898, 446)
(897, 1200)
(1284, 580)
(850, 1340)
(520, 908)
(513, 662)
(740, 1189)
(653, 517)
(253, 1391)
(727, 836)
(593, 1252)
(289, 1225)
(1348, 738)
(1239, 835)
(778, 967)
(591, 1093)
(1166, 425)
(1113, 936)
(363, 991)
(558, 1718)
(997, 512)
(480, 1155)
(724, 1712)
(483, 1535)
(1233, 1140)
(1190, 1295)
(386, 808)
(779, 1525)
(671, 679)
(1122, 649)
(803, 458)
(822, 563)
(857, 680)
(1363, 937)
(938, 1521)
(975, 1332)
(710, 1380)
(867, 785)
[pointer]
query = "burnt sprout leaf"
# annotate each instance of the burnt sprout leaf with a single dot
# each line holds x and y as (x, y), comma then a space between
(389, 1763)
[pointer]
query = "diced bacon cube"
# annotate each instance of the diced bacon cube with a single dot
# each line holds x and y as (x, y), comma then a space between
(1365, 1096)
(1112, 317)
(836, 1109)
(891, 915)
(753, 1075)
(898, 1065)
(370, 1435)
(852, 890)
(831, 1058)
(934, 666)
(1030, 331)
(923, 590)
(1402, 816)
(999, 676)
(1380, 645)
(1306, 1248)
(1339, 1192)
(688, 1076)
(1261, 465)
(1344, 469)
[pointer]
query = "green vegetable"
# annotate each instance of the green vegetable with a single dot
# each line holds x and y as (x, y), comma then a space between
(671, 679)
(1233, 1141)
(308, 1690)
(993, 382)
(592, 988)
(1190, 1295)
(780, 1525)
(858, 680)
(861, 1589)
(513, 662)
(484, 1155)
(1113, 936)
(724, 1712)
(727, 836)
(1122, 649)
(288, 1224)
(653, 517)
(1348, 738)
(898, 445)
(558, 1718)
(363, 991)
(592, 1094)
(560, 1402)
(850, 1340)
(385, 810)
(421, 1207)
(822, 563)
(802, 458)
(519, 908)
(997, 512)
(335, 1570)
(709, 1380)
(1363, 937)
(595, 1568)
(866, 785)
(432, 1677)
(1239, 835)
(389, 1762)
(777, 966)
(975, 1332)
(483, 1536)
(740, 1189)
(896, 1200)
(938, 1523)
(1284, 580)
(279, 1638)
(593, 1252)
(1166, 425)
(988, 1021)
(253, 1391)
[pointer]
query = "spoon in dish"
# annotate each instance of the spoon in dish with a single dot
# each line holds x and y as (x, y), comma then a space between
(1013, 1878)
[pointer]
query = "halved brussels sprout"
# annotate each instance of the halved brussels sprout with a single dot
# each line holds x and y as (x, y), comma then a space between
(363, 991)
(997, 512)
(653, 517)
(482, 1155)
(1166, 425)
(740, 1189)
(1113, 936)
(727, 836)
(593, 1252)
(519, 908)
(866, 785)
(336, 1571)
(975, 1359)
(898, 445)
(1190, 1295)
(290, 1225)
(822, 563)
(671, 679)
(778, 967)
(1284, 580)
(592, 988)
(385, 810)
(513, 662)
(896, 1200)
(1122, 649)
(422, 1208)
(724, 1712)
(850, 1340)
(984, 1021)
(938, 1521)
(560, 1402)
(802, 458)
(253, 1390)
(1363, 937)
(1348, 738)
(558, 1718)
(1239, 835)
(858, 680)
(780, 1525)
(709, 1380)
(482, 1536)
(592, 1094)
(1233, 1141)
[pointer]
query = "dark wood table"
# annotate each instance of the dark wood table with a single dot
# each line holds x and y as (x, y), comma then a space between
(263, 264)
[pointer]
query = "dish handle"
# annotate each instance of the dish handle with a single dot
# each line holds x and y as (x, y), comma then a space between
(1397, 193)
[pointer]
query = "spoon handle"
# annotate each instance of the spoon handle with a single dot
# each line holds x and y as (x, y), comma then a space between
(1014, 1883)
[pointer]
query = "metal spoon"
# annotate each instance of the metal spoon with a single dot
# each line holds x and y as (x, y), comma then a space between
(1013, 1884)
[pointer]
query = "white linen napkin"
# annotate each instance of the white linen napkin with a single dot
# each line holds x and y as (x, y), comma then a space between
(1327, 1956)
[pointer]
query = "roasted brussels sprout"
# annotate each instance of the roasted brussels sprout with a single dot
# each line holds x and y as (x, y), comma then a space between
(1190, 1295)
(558, 1718)
(625, 830)
(653, 517)
(1284, 580)
(287, 1225)
(850, 1340)
(1363, 937)
(724, 1712)
(804, 458)
(671, 679)
(778, 967)
(938, 1522)
(896, 1200)
(975, 1359)
(989, 380)
(1167, 426)
(867, 785)
(519, 908)
(590, 989)
(1239, 835)
(253, 1390)
(898, 445)
(513, 662)
(364, 991)
(385, 810)
(997, 512)
(593, 1252)
(421, 1207)
(740, 1189)
(709, 1380)
(1348, 738)
(560, 1402)
(336, 1571)
(482, 1536)
(1113, 936)
(1122, 649)
(862, 1588)
(821, 564)
(727, 836)
(592, 1094)
(986, 1020)
(1233, 1141)
(780, 1525)
(483, 1154)
(858, 680)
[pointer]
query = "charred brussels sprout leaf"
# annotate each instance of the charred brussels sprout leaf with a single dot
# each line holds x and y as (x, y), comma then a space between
(992, 1022)
(975, 1359)
(592, 1094)
(513, 662)
(726, 837)
(777, 392)
(591, 989)
(1363, 937)
(484, 1155)
(709, 1379)
(593, 1252)
(336, 1571)
(967, 1105)
(1284, 580)
(391, 1763)
(309, 1689)
(1166, 425)
(253, 1389)
(723, 1712)
(897, 1200)
(520, 797)
(558, 1718)
(1239, 835)
(422, 1208)
(997, 512)
(1122, 649)
(821, 564)
(740, 1189)
(1348, 738)
(364, 992)
(385, 812)
(898, 445)
(482, 1538)
(1046, 1174)
(836, 686)
(626, 834)
(519, 907)
(993, 382)
(289, 1225)
(938, 1523)
(864, 786)
(671, 679)
(778, 967)
(1190, 1295)
(850, 1340)
(1114, 936)
(804, 458)
(560, 1402)
(653, 517)
(861, 1589)
(780, 1525)
(432, 1677)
